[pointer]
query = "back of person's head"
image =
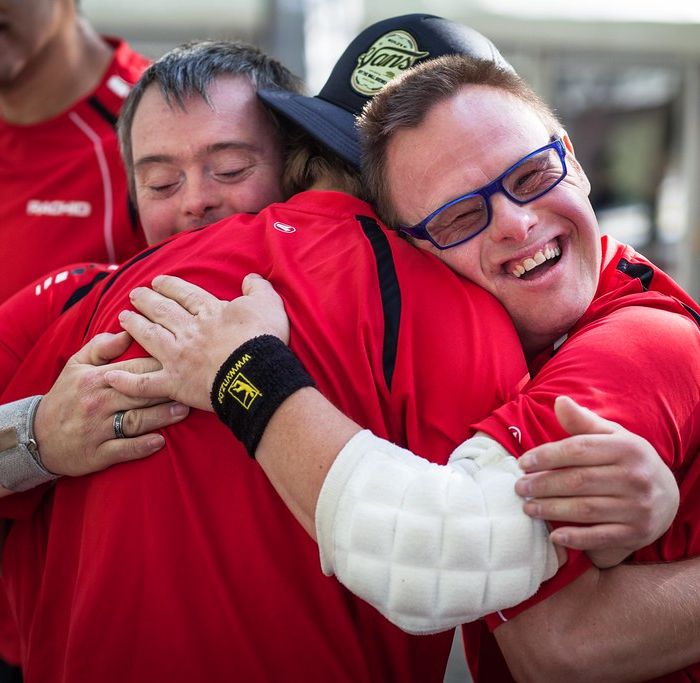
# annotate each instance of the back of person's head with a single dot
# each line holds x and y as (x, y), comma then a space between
(406, 101)
(310, 164)
(189, 70)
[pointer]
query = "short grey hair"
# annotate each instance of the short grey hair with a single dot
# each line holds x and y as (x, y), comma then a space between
(189, 69)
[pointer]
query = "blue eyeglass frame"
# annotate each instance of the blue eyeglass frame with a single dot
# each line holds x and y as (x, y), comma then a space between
(420, 230)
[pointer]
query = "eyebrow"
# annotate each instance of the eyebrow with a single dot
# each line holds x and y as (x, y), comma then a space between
(209, 149)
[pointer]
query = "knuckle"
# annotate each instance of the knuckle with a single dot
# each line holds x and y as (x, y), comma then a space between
(149, 364)
(576, 480)
(585, 509)
(141, 383)
(641, 482)
(162, 308)
(132, 422)
(91, 402)
(191, 299)
(85, 381)
(578, 446)
(147, 332)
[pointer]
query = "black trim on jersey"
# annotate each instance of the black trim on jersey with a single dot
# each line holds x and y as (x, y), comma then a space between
(692, 311)
(105, 113)
(389, 290)
(644, 274)
(116, 274)
(81, 292)
(640, 271)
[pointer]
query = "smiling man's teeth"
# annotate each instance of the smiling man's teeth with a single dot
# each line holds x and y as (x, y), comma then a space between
(537, 259)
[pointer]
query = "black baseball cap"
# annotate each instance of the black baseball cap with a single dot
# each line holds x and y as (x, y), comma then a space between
(378, 54)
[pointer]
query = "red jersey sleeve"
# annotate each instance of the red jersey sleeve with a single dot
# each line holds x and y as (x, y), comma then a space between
(25, 316)
(636, 365)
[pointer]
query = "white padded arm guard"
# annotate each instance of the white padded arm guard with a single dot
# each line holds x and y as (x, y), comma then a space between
(430, 546)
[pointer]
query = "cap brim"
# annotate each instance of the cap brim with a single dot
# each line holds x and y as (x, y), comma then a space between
(326, 122)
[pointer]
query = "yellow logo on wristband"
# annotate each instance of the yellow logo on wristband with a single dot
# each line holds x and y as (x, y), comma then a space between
(243, 390)
(238, 386)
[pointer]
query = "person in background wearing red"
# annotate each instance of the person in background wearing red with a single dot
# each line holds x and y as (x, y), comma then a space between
(63, 190)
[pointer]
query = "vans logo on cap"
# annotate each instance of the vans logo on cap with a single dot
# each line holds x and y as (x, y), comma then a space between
(388, 56)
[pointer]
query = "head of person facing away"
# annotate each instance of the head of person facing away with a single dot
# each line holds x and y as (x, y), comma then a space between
(323, 147)
(466, 156)
(197, 143)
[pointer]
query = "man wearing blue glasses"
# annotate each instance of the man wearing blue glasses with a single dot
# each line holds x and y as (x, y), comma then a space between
(483, 176)
(585, 308)
(463, 218)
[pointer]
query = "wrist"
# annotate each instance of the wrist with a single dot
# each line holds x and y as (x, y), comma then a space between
(252, 384)
(21, 467)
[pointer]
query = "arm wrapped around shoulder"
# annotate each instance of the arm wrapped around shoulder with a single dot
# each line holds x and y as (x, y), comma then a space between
(430, 546)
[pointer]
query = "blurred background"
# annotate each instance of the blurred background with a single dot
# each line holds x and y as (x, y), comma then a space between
(624, 76)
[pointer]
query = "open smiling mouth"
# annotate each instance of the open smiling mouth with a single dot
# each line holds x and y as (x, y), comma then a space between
(541, 260)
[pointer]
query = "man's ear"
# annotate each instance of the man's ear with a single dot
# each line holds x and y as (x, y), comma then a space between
(567, 143)
(573, 161)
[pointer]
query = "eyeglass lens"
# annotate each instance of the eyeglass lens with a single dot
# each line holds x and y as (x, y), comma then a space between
(531, 178)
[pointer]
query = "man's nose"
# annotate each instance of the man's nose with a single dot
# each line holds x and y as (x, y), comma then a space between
(200, 197)
(510, 221)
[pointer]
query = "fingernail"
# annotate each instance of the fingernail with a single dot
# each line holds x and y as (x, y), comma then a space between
(179, 410)
(523, 487)
(527, 461)
(559, 537)
(154, 443)
(124, 315)
(532, 509)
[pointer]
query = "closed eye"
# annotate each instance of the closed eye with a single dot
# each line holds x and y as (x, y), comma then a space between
(234, 174)
(451, 227)
(161, 188)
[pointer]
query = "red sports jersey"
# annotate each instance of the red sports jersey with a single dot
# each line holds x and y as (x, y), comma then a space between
(26, 315)
(632, 358)
(188, 561)
(63, 193)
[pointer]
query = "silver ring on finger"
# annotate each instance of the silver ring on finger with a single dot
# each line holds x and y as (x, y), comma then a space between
(118, 424)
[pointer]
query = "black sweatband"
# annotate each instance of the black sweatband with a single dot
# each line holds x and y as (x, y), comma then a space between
(252, 383)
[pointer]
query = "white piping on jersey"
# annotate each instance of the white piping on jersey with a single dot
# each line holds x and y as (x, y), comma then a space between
(106, 182)
(58, 278)
(118, 86)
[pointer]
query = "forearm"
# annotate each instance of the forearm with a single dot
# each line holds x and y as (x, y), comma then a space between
(628, 623)
(430, 546)
(298, 447)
